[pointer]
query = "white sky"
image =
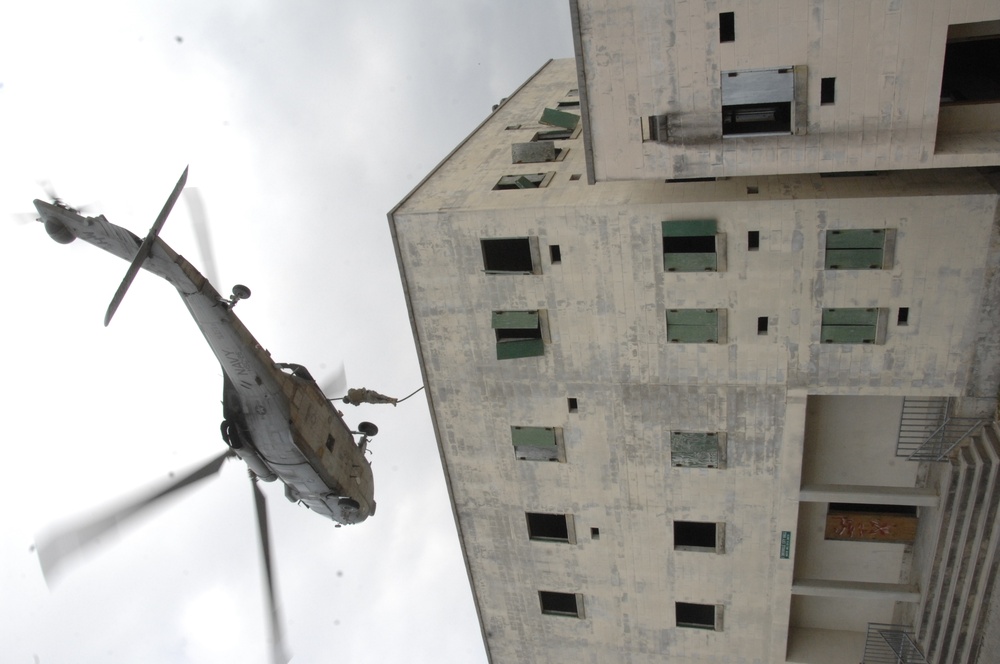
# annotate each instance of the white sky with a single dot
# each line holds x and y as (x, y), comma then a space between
(303, 124)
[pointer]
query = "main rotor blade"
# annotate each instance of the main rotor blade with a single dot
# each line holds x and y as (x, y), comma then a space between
(278, 653)
(55, 547)
(199, 221)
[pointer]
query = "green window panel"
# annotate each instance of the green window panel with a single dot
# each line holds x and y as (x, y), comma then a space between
(535, 443)
(555, 118)
(693, 325)
(508, 320)
(518, 334)
(695, 449)
(681, 262)
(689, 228)
(850, 326)
(855, 249)
(690, 246)
(510, 349)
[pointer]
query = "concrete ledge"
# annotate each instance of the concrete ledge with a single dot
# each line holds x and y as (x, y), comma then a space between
(897, 592)
(878, 495)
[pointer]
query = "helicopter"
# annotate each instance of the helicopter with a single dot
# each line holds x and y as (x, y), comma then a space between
(276, 418)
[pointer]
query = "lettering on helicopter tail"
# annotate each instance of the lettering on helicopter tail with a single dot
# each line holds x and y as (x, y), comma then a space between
(237, 361)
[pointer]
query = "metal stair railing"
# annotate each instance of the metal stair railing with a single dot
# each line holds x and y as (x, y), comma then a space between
(928, 433)
(891, 644)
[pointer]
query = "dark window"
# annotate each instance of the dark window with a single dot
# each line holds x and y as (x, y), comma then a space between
(511, 254)
(547, 527)
(553, 135)
(971, 71)
(727, 27)
(695, 534)
(595, 533)
(753, 189)
(827, 90)
(868, 508)
(527, 181)
(903, 317)
(762, 325)
(701, 616)
(574, 177)
(573, 405)
(753, 240)
(767, 118)
(560, 604)
(555, 254)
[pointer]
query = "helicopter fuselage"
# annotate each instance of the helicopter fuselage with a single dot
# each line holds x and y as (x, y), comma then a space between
(276, 418)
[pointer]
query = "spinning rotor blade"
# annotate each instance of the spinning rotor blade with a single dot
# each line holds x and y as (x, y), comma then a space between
(199, 220)
(335, 386)
(55, 547)
(278, 653)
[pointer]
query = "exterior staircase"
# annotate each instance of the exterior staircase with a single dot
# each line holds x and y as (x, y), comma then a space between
(960, 580)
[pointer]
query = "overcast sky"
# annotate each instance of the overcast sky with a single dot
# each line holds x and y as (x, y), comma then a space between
(303, 124)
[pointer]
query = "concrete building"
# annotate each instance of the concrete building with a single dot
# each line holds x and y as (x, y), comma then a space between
(677, 417)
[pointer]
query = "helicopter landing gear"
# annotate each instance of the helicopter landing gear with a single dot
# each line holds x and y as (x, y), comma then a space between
(240, 292)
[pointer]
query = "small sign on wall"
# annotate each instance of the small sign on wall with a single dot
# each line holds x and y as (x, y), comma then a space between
(786, 544)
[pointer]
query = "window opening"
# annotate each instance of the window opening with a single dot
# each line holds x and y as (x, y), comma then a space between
(727, 27)
(511, 254)
(560, 604)
(537, 443)
(548, 527)
(690, 246)
(573, 404)
(555, 254)
(693, 325)
(753, 240)
(697, 534)
(971, 70)
(903, 317)
(595, 533)
(757, 101)
(518, 334)
(850, 326)
(827, 90)
(527, 181)
(762, 325)
(697, 449)
(701, 616)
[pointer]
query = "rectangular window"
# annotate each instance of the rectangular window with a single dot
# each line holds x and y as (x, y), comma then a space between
(753, 240)
(903, 316)
(511, 255)
(700, 536)
(692, 246)
(538, 443)
(595, 533)
(700, 616)
(572, 404)
(860, 249)
(554, 135)
(518, 333)
(727, 27)
(525, 181)
(758, 101)
(972, 66)
(827, 90)
(853, 326)
(698, 449)
(561, 604)
(655, 128)
(550, 527)
(871, 523)
(694, 326)
(762, 325)
(555, 254)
